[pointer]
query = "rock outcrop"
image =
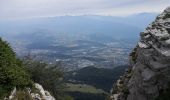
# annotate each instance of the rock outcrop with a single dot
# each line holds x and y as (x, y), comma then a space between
(149, 74)
(37, 93)
(43, 95)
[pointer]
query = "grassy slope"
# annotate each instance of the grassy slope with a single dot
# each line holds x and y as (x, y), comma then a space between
(83, 88)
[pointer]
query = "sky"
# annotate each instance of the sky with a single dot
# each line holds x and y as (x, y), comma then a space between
(11, 9)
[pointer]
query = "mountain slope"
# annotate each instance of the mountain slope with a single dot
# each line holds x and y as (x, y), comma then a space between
(91, 83)
(99, 77)
(148, 76)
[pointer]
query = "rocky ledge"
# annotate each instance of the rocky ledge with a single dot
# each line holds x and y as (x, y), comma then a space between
(148, 77)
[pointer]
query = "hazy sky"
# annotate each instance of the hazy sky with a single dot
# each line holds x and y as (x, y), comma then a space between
(44, 8)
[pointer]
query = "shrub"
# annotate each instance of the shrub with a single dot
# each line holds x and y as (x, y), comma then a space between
(12, 72)
(49, 76)
(133, 54)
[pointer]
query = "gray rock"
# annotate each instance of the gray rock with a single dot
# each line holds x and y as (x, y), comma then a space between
(167, 10)
(151, 71)
(157, 65)
(147, 74)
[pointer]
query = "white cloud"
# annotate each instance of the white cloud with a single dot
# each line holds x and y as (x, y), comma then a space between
(37, 8)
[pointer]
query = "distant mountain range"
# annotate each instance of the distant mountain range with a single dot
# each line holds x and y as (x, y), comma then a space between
(95, 27)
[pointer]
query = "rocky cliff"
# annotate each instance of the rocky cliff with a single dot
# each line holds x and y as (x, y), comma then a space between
(148, 77)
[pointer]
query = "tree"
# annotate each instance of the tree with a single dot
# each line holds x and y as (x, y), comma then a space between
(12, 72)
(49, 76)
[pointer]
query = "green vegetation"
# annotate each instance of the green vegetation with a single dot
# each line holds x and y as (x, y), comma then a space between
(98, 82)
(12, 71)
(87, 96)
(134, 55)
(22, 74)
(15, 73)
(125, 91)
(83, 88)
(49, 76)
(22, 95)
(100, 78)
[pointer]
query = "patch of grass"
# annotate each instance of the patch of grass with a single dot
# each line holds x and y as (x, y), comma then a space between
(22, 95)
(133, 54)
(83, 88)
(88, 96)
(125, 91)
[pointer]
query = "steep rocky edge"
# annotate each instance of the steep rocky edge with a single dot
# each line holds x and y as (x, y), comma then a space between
(148, 77)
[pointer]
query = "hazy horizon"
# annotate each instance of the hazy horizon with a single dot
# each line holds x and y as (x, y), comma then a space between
(19, 9)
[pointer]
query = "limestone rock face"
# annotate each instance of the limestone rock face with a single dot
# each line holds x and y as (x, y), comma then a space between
(43, 95)
(149, 73)
(37, 94)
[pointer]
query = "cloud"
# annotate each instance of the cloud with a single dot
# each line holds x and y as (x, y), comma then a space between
(44, 8)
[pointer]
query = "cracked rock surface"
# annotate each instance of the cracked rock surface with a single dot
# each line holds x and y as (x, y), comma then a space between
(149, 72)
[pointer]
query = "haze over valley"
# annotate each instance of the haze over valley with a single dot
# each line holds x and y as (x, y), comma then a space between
(76, 41)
